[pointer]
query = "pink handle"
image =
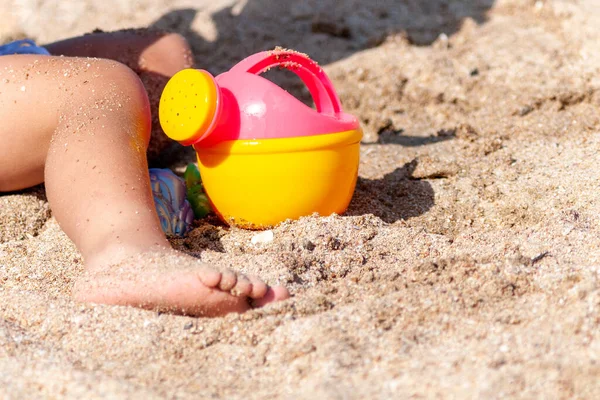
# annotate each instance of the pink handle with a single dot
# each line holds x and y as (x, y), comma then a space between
(313, 76)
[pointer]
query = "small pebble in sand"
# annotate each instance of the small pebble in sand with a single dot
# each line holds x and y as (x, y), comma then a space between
(263, 237)
(308, 245)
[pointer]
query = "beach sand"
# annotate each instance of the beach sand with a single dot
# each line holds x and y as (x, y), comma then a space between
(467, 265)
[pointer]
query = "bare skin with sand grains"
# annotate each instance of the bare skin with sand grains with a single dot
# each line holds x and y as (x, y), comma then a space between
(81, 122)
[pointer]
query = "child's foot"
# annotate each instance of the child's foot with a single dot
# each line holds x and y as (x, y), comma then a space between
(170, 281)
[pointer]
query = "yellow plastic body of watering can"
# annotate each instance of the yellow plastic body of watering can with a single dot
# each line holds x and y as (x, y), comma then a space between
(263, 155)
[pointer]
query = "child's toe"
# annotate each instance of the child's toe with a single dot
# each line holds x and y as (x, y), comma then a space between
(275, 293)
(228, 280)
(259, 288)
(209, 276)
(243, 287)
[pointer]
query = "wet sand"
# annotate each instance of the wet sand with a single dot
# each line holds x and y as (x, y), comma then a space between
(466, 266)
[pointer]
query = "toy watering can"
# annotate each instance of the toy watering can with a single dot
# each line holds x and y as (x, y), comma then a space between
(264, 156)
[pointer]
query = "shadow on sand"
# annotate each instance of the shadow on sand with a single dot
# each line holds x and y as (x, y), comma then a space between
(331, 30)
(327, 30)
(395, 197)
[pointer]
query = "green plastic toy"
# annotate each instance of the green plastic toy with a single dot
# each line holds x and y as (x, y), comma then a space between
(195, 192)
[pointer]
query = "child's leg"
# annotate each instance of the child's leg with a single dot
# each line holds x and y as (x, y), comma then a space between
(87, 121)
(154, 55)
(142, 50)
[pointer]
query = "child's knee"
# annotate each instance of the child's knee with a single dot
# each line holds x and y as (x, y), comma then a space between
(116, 90)
(173, 39)
(120, 81)
(173, 50)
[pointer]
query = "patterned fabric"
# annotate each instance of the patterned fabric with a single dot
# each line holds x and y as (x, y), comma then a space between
(25, 46)
(174, 211)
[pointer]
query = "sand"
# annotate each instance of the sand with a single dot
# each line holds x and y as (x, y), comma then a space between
(467, 265)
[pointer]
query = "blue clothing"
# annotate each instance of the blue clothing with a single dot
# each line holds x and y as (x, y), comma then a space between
(25, 46)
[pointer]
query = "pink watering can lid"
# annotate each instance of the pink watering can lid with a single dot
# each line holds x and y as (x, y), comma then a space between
(239, 104)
